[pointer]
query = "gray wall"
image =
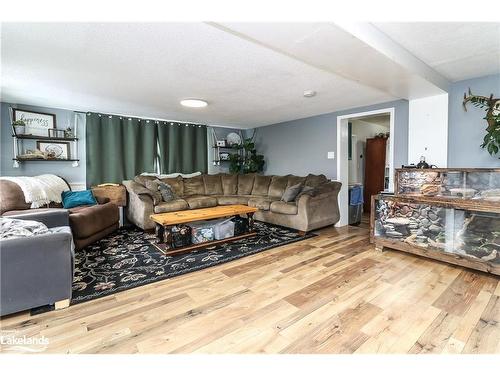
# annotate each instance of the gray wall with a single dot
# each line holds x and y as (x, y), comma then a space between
(300, 147)
(466, 130)
(63, 169)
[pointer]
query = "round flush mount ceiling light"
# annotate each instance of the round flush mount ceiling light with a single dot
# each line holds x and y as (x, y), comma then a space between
(194, 103)
(309, 93)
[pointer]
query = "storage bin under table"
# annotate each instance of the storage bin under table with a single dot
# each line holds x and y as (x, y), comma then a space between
(165, 222)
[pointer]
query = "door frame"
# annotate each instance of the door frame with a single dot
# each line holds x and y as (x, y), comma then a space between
(343, 162)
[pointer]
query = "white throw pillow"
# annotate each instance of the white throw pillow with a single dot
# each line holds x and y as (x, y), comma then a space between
(169, 175)
(188, 175)
(183, 175)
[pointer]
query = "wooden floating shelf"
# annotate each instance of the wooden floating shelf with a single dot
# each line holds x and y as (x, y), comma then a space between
(228, 147)
(41, 137)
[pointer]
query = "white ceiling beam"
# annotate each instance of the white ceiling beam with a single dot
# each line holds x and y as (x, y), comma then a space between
(376, 39)
(356, 52)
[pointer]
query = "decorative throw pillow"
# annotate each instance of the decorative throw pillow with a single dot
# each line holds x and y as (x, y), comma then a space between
(306, 190)
(291, 192)
(166, 192)
(72, 199)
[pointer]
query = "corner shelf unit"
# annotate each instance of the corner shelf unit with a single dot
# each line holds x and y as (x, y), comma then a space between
(217, 149)
(17, 140)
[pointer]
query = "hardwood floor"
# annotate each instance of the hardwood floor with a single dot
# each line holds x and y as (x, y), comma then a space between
(329, 294)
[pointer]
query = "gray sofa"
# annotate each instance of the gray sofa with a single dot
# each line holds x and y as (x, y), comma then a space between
(38, 270)
(312, 210)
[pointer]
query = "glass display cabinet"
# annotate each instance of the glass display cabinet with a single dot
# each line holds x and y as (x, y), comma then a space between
(476, 184)
(451, 215)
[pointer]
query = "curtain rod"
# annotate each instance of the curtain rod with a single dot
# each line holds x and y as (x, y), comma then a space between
(144, 118)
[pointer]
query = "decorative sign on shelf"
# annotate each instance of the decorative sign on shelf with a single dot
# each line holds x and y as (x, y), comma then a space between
(37, 123)
(56, 150)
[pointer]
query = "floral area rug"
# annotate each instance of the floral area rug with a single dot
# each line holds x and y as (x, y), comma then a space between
(127, 259)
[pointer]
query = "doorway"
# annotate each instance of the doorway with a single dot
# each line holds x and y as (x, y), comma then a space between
(365, 145)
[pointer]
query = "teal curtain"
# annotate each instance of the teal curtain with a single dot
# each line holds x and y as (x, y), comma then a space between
(182, 147)
(119, 148)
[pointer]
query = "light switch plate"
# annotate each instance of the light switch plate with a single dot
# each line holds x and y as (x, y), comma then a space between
(331, 155)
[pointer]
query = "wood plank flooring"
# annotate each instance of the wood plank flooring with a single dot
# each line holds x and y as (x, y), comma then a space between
(333, 293)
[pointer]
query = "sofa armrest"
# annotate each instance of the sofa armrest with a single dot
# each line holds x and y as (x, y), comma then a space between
(322, 207)
(51, 218)
(140, 204)
(140, 190)
(35, 271)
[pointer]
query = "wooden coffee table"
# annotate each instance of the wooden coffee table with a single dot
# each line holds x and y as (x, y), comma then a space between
(165, 222)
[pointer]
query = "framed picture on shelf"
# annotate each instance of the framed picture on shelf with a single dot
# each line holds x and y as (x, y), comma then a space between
(56, 133)
(37, 123)
(221, 143)
(57, 150)
(224, 156)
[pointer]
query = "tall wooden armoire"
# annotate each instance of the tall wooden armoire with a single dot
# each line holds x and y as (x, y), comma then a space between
(374, 169)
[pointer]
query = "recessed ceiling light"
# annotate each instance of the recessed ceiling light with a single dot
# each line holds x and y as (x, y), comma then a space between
(194, 103)
(309, 93)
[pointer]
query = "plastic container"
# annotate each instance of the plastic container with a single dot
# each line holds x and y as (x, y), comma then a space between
(355, 204)
(223, 229)
(202, 231)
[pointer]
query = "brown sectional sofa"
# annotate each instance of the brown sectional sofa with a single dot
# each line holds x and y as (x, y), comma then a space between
(88, 223)
(312, 210)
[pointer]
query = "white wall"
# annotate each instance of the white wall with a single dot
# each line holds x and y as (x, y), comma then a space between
(428, 130)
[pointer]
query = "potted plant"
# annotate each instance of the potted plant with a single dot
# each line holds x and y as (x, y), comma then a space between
(248, 161)
(68, 133)
(19, 127)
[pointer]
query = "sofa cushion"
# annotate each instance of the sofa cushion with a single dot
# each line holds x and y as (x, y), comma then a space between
(213, 184)
(175, 205)
(86, 221)
(11, 197)
(200, 201)
(177, 185)
(284, 208)
(277, 186)
(245, 183)
(314, 180)
(142, 180)
(261, 185)
(152, 184)
(262, 203)
(294, 180)
(229, 184)
(194, 186)
(224, 200)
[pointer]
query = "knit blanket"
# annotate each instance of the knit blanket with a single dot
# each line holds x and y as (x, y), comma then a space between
(15, 228)
(40, 190)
